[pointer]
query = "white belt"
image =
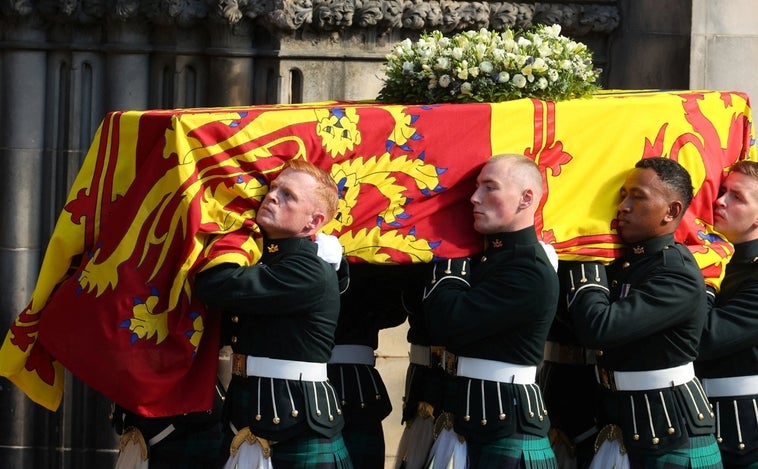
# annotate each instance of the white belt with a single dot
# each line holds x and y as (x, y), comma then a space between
(491, 370)
(353, 355)
(284, 369)
(731, 387)
(651, 379)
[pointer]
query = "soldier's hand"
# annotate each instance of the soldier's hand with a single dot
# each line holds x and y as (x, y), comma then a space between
(329, 249)
(457, 270)
(581, 276)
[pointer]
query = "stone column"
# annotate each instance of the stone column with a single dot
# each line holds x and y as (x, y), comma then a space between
(127, 65)
(26, 427)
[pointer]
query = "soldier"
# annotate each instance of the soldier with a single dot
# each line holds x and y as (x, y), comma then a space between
(370, 304)
(492, 315)
(645, 318)
(282, 313)
(567, 379)
(728, 359)
(422, 396)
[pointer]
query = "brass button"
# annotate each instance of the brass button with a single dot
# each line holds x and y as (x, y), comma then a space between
(235, 319)
(598, 353)
(625, 265)
(234, 339)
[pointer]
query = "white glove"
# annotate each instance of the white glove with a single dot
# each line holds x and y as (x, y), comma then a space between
(551, 255)
(329, 249)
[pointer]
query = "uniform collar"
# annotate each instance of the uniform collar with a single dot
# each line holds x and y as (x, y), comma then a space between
(506, 240)
(276, 247)
(746, 252)
(648, 247)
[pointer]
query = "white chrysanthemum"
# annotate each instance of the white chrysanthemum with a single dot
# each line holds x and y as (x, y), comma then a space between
(466, 88)
(503, 77)
(445, 81)
(518, 80)
(542, 83)
(443, 63)
(408, 67)
(486, 66)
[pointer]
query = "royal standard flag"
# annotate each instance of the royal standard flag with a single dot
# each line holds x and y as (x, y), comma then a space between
(164, 194)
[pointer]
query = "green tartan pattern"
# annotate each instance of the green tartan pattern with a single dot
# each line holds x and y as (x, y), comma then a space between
(702, 452)
(365, 444)
(513, 452)
(310, 451)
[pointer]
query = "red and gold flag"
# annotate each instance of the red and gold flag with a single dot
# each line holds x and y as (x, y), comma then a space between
(163, 194)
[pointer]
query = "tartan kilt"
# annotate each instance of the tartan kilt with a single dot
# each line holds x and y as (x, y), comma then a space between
(311, 451)
(365, 444)
(701, 452)
(515, 451)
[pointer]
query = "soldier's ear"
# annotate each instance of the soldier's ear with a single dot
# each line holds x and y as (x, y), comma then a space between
(675, 211)
(317, 221)
(527, 198)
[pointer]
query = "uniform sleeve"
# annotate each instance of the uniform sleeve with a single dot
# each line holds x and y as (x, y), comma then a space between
(261, 289)
(666, 297)
(731, 326)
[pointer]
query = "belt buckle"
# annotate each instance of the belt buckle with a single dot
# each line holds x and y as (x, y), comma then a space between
(239, 364)
(450, 363)
(436, 352)
(606, 379)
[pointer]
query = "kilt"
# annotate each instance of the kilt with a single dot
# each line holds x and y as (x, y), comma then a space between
(701, 452)
(311, 451)
(365, 444)
(513, 452)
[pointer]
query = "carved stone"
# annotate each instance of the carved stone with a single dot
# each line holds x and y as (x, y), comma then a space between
(327, 16)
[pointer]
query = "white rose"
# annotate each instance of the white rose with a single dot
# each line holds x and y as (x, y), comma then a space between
(457, 53)
(486, 66)
(445, 81)
(408, 67)
(466, 88)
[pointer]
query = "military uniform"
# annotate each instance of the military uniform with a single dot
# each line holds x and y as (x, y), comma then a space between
(281, 316)
(370, 304)
(493, 318)
(567, 380)
(424, 377)
(646, 323)
(728, 360)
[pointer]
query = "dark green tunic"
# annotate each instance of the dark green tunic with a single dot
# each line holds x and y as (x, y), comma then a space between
(285, 307)
(729, 348)
(650, 318)
(504, 316)
(372, 302)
